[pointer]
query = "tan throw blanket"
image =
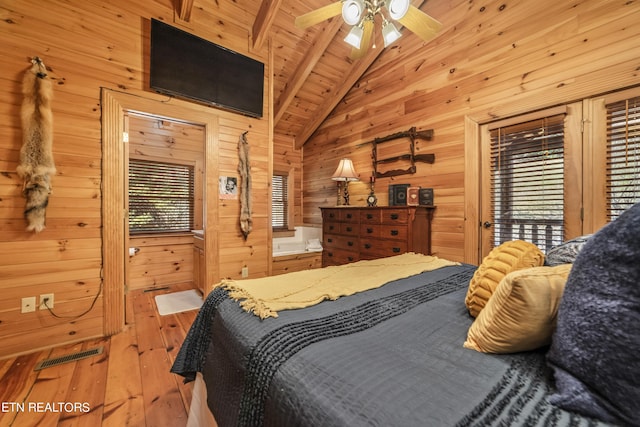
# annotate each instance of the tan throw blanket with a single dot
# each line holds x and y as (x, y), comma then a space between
(266, 296)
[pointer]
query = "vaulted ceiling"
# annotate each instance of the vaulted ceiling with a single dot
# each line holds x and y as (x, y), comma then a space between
(313, 69)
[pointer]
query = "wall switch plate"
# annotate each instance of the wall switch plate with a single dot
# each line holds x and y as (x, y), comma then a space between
(245, 271)
(49, 298)
(28, 305)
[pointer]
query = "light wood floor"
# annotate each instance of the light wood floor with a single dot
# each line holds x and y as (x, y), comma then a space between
(128, 385)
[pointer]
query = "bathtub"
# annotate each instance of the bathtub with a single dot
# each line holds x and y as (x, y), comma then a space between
(300, 243)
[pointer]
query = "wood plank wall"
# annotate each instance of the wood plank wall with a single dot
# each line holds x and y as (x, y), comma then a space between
(491, 60)
(103, 45)
(288, 159)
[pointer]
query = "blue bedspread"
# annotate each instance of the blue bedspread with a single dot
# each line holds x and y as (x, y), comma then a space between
(390, 356)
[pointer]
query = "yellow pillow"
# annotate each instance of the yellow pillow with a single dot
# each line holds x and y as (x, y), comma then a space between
(521, 314)
(502, 260)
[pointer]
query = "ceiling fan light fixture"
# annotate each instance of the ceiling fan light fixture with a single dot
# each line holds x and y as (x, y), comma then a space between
(352, 11)
(398, 8)
(354, 38)
(390, 33)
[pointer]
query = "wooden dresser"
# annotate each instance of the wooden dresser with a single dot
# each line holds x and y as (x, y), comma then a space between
(355, 233)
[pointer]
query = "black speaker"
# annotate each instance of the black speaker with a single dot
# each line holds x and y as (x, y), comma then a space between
(426, 196)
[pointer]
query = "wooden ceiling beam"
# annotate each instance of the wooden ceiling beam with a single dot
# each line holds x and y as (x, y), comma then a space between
(360, 66)
(183, 7)
(325, 37)
(263, 22)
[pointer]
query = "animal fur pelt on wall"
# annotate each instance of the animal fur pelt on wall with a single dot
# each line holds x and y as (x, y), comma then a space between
(36, 155)
(244, 169)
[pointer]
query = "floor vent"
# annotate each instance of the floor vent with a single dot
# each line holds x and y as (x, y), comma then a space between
(68, 358)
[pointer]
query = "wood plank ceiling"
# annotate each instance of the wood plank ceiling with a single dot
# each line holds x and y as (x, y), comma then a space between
(313, 70)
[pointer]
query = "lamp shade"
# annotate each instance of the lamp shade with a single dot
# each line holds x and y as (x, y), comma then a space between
(390, 33)
(352, 11)
(354, 38)
(345, 171)
(398, 8)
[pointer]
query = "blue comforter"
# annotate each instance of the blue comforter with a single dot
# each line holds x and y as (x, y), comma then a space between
(390, 356)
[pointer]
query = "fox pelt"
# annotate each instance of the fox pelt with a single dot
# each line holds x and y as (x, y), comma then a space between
(244, 169)
(36, 154)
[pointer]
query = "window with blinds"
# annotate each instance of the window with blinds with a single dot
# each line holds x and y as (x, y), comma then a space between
(279, 203)
(527, 182)
(161, 197)
(623, 156)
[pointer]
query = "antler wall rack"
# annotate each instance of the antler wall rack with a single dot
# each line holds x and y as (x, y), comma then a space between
(412, 157)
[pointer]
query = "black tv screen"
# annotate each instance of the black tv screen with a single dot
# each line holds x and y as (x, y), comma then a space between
(187, 66)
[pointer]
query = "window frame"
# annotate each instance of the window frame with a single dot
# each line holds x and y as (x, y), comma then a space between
(595, 157)
(289, 226)
(193, 191)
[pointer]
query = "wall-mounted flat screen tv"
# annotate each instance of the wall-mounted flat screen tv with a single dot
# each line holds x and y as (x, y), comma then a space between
(187, 66)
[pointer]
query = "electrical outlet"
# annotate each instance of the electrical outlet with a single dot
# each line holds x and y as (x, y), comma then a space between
(28, 305)
(49, 298)
(245, 271)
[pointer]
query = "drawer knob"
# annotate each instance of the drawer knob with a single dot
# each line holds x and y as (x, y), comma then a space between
(329, 253)
(350, 243)
(369, 230)
(394, 232)
(349, 229)
(396, 250)
(349, 216)
(367, 245)
(394, 216)
(369, 216)
(330, 240)
(350, 258)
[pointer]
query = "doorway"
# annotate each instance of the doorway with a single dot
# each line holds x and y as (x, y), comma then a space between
(531, 174)
(164, 190)
(115, 107)
(601, 170)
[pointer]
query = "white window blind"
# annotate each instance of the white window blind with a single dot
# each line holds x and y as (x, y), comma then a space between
(527, 182)
(623, 156)
(279, 202)
(161, 197)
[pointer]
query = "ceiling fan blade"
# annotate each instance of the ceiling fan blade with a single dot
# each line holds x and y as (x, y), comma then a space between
(316, 16)
(420, 23)
(366, 40)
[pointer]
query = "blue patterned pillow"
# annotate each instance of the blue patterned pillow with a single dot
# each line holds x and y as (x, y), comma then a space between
(566, 252)
(595, 350)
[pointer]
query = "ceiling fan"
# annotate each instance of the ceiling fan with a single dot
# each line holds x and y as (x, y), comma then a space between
(360, 14)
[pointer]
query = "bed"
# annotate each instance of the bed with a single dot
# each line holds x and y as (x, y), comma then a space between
(391, 355)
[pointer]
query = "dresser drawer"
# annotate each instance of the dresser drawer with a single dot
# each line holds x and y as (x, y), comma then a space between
(330, 227)
(377, 248)
(395, 216)
(338, 257)
(370, 216)
(330, 215)
(370, 230)
(349, 229)
(350, 216)
(336, 241)
(399, 232)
